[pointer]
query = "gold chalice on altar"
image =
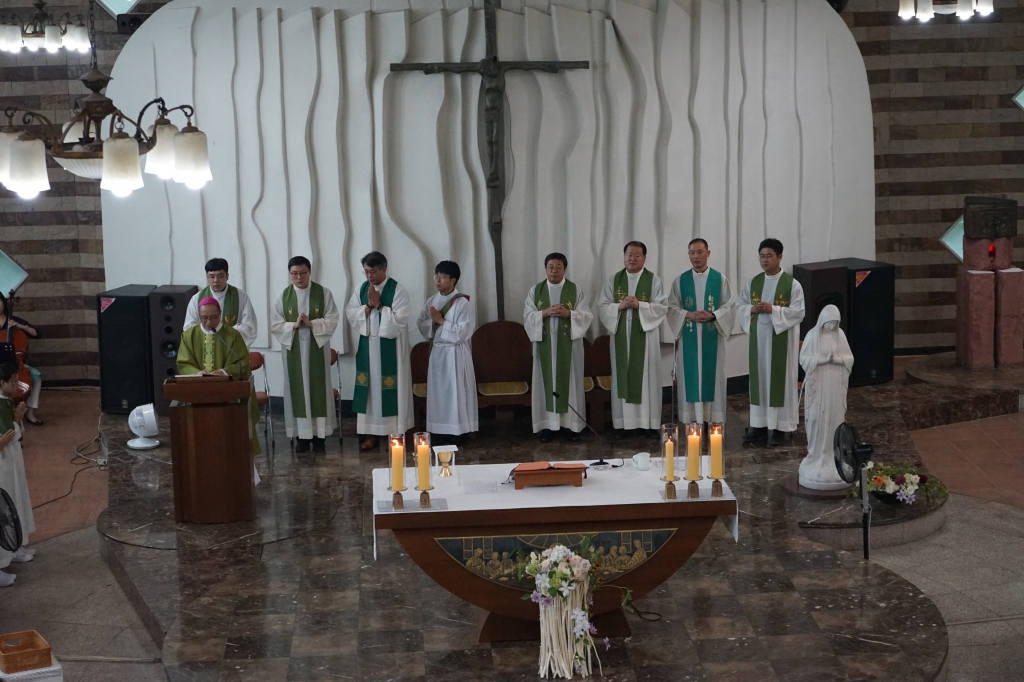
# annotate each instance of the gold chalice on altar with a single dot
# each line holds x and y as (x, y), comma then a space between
(445, 458)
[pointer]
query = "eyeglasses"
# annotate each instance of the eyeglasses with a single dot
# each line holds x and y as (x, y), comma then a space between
(440, 276)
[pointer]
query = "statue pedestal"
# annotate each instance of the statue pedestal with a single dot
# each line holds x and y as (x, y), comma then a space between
(791, 484)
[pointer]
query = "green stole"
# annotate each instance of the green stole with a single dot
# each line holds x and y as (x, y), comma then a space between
(317, 368)
(700, 391)
(230, 310)
(444, 313)
(780, 343)
(629, 365)
(388, 360)
(6, 414)
(541, 299)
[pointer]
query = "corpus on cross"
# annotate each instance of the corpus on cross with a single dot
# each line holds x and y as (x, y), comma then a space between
(492, 73)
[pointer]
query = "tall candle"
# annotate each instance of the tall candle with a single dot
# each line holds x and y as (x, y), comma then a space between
(670, 460)
(397, 466)
(716, 455)
(423, 465)
(692, 456)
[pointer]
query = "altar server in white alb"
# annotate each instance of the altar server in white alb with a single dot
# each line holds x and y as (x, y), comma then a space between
(632, 306)
(236, 308)
(770, 309)
(556, 318)
(382, 393)
(12, 469)
(303, 320)
(448, 319)
(701, 314)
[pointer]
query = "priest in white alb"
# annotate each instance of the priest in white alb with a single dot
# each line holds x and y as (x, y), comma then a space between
(701, 313)
(236, 308)
(770, 309)
(303, 320)
(448, 320)
(382, 392)
(556, 318)
(632, 306)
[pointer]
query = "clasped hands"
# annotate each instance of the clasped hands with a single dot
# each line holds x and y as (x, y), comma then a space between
(436, 315)
(557, 310)
(701, 316)
(303, 321)
(8, 438)
(761, 308)
(372, 299)
(219, 372)
(629, 302)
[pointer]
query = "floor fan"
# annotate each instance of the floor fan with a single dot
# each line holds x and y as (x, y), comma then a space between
(10, 525)
(852, 457)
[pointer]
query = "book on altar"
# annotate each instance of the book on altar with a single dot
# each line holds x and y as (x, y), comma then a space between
(549, 473)
(542, 466)
(201, 378)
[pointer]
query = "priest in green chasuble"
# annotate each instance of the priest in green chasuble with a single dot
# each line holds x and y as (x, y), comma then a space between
(701, 313)
(379, 311)
(215, 348)
(632, 306)
(556, 317)
(236, 308)
(770, 309)
(303, 320)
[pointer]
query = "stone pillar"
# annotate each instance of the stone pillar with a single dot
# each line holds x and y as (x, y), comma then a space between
(988, 254)
(975, 317)
(1009, 341)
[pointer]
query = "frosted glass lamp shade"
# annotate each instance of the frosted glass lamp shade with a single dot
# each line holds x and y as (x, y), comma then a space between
(121, 172)
(985, 7)
(51, 38)
(7, 136)
(34, 42)
(82, 39)
(160, 159)
(69, 41)
(14, 39)
(3, 37)
(191, 158)
(906, 9)
(925, 10)
(965, 9)
(27, 174)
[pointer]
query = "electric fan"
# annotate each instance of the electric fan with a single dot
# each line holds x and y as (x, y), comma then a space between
(852, 457)
(10, 524)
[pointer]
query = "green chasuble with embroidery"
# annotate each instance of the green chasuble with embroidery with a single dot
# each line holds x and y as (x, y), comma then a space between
(317, 364)
(226, 350)
(563, 347)
(780, 343)
(388, 361)
(629, 355)
(700, 386)
(229, 309)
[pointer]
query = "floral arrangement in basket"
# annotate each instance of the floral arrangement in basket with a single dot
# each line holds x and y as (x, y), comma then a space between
(564, 584)
(902, 483)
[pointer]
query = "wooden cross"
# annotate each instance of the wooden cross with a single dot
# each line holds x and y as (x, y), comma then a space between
(492, 72)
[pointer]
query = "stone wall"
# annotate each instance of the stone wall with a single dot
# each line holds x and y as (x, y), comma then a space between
(57, 237)
(945, 127)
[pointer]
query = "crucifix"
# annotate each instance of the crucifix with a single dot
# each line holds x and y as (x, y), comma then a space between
(492, 72)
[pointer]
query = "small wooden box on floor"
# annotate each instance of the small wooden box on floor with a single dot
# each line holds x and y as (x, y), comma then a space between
(211, 451)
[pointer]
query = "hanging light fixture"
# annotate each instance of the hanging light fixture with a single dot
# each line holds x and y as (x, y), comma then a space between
(43, 31)
(79, 146)
(926, 9)
(906, 9)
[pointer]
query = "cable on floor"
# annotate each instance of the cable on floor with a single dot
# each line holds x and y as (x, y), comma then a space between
(649, 616)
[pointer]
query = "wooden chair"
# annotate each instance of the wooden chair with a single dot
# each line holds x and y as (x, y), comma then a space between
(420, 363)
(256, 361)
(597, 366)
(503, 362)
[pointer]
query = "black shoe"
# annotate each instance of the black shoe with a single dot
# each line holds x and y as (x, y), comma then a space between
(319, 445)
(545, 436)
(621, 434)
(778, 438)
(653, 434)
(574, 437)
(755, 435)
(301, 445)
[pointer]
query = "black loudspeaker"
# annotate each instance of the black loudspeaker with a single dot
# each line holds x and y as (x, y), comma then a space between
(167, 306)
(823, 284)
(126, 373)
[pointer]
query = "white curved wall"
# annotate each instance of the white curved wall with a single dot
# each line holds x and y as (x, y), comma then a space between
(726, 119)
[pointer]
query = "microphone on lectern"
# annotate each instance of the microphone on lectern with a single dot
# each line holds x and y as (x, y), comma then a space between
(600, 463)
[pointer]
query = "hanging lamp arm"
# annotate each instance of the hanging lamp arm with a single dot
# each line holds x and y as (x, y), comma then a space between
(161, 109)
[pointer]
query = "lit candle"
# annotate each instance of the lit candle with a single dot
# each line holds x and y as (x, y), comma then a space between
(692, 454)
(716, 452)
(670, 460)
(397, 466)
(423, 465)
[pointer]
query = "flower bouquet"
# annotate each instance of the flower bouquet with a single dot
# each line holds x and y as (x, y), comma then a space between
(902, 484)
(564, 588)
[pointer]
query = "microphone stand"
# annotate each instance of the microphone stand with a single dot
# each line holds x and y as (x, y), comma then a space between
(600, 464)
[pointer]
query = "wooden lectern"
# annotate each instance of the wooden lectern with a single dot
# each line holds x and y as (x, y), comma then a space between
(211, 449)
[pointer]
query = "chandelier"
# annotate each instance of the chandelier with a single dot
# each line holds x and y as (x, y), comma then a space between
(45, 32)
(80, 148)
(926, 9)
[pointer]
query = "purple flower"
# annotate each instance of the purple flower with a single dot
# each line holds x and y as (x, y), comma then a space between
(593, 629)
(536, 597)
(918, 464)
(547, 601)
(607, 644)
(579, 668)
(905, 498)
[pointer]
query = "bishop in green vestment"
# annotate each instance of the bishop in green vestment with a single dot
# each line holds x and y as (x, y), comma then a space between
(770, 309)
(212, 347)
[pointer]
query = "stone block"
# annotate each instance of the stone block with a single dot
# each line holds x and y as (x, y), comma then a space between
(979, 256)
(975, 318)
(1009, 337)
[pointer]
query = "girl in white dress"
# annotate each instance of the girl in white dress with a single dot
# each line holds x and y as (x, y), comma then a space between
(12, 469)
